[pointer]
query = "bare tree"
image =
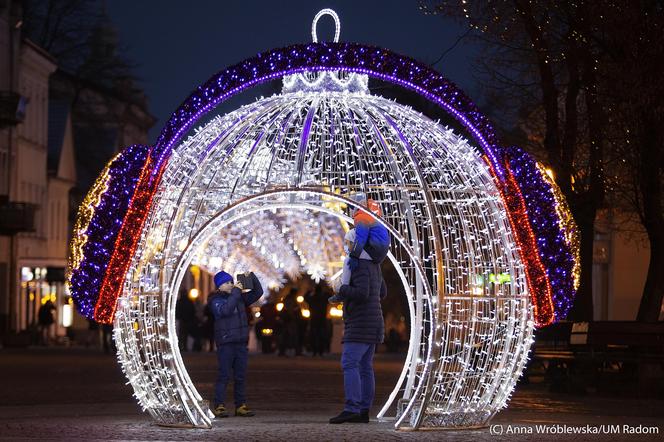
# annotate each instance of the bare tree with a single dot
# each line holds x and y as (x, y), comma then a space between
(630, 36)
(540, 61)
(78, 33)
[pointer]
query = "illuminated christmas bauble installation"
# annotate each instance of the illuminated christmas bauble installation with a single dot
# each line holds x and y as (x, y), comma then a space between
(474, 226)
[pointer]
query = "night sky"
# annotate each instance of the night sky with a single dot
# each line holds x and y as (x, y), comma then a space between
(177, 45)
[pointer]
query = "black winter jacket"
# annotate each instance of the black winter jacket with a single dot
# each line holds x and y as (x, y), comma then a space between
(230, 315)
(363, 316)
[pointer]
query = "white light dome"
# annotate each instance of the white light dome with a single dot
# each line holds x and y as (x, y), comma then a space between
(315, 147)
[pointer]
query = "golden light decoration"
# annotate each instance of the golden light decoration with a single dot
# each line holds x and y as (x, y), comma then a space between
(85, 213)
(566, 222)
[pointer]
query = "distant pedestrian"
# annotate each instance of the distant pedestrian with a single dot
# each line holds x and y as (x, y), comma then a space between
(231, 334)
(46, 320)
(197, 326)
(185, 315)
(317, 302)
(267, 327)
(302, 324)
(288, 324)
(207, 329)
(92, 338)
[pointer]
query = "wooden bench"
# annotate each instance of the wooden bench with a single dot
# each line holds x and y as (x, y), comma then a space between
(601, 355)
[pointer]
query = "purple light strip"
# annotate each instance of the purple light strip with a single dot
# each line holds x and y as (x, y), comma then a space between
(555, 253)
(104, 226)
(349, 57)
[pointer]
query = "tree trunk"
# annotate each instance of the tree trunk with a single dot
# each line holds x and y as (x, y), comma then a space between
(653, 291)
(584, 215)
(650, 185)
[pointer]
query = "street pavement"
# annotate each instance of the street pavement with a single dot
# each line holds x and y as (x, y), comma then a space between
(80, 394)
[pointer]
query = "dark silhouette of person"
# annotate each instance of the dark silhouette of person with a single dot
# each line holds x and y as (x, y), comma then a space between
(393, 340)
(288, 330)
(268, 321)
(207, 329)
(46, 320)
(317, 301)
(185, 314)
(302, 325)
(93, 334)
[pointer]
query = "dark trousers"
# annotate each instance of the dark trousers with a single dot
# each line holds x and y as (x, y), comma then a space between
(359, 384)
(233, 357)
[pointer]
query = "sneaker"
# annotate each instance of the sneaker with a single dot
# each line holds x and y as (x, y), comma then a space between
(346, 416)
(244, 411)
(220, 411)
(364, 415)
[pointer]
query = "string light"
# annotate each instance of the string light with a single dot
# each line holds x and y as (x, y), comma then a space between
(85, 213)
(558, 240)
(85, 278)
(567, 226)
(538, 281)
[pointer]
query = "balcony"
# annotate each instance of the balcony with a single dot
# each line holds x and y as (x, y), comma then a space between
(12, 108)
(16, 217)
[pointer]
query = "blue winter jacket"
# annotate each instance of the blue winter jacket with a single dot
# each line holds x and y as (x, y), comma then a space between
(230, 316)
(363, 316)
(372, 237)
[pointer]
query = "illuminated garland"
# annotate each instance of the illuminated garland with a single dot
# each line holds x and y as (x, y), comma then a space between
(325, 56)
(125, 245)
(555, 251)
(85, 280)
(372, 61)
(85, 213)
(567, 225)
(536, 276)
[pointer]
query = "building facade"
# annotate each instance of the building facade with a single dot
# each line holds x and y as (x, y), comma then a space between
(57, 132)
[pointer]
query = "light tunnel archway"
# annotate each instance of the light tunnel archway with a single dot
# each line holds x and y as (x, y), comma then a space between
(418, 347)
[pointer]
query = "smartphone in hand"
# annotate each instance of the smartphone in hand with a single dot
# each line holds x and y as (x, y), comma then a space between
(246, 280)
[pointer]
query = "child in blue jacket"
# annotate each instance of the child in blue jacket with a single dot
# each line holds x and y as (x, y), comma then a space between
(231, 335)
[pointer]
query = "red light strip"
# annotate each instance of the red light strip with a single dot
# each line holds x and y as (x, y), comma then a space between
(539, 285)
(126, 243)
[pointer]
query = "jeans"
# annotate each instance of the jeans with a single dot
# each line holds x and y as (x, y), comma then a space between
(359, 384)
(234, 357)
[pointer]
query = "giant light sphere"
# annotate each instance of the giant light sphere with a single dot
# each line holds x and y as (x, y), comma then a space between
(481, 237)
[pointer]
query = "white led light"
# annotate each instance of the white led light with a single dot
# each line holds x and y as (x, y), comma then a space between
(337, 24)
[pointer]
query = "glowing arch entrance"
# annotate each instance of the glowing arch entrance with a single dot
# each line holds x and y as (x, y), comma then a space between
(404, 261)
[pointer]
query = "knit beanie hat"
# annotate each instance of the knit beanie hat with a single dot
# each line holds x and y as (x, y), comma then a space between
(221, 278)
(361, 216)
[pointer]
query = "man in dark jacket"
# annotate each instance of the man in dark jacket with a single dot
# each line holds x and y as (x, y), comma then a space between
(363, 329)
(231, 335)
